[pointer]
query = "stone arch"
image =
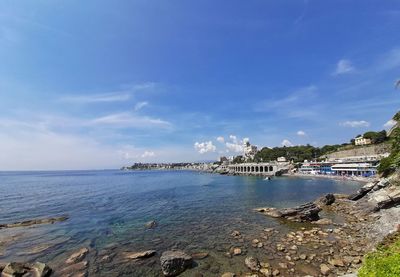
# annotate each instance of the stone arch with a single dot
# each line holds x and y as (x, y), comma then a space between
(261, 169)
(271, 168)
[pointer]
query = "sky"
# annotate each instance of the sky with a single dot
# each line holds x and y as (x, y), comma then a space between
(103, 84)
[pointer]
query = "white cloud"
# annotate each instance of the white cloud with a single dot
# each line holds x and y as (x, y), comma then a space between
(140, 105)
(286, 143)
(301, 133)
(234, 147)
(204, 147)
(390, 124)
(148, 154)
(246, 140)
(233, 138)
(128, 120)
(355, 124)
(343, 67)
(221, 139)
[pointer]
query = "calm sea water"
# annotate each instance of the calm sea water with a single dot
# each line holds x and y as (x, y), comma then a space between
(107, 211)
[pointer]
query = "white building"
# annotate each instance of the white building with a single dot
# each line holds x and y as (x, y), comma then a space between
(354, 169)
(362, 141)
(249, 150)
(281, 159)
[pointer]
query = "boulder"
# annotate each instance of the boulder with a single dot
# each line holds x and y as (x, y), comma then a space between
(228, 274)
(252, 263)
(175, 262)
(36, 269)
(14, 269)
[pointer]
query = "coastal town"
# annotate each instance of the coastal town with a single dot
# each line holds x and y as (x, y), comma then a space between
(359, 160)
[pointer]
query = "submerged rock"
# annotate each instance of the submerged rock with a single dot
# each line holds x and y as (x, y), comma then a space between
(77, 256)
(200, 255)
(31, 222)
(175, 262)
(139, 255)
(252, 263)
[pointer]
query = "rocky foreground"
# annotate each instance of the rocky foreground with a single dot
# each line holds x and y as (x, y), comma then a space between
(332, 235)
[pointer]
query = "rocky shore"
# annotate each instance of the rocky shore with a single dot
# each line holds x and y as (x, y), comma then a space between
(328, 237)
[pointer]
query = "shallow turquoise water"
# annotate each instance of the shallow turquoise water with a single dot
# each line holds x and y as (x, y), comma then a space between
(195, 212)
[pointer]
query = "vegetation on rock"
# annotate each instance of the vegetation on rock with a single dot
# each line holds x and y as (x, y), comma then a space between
(385, 261)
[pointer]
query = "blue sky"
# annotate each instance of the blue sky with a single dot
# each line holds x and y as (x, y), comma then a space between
(101, 84)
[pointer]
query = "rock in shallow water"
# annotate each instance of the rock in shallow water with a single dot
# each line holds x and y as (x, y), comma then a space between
(139, 255)
(36, 269)
(306, 212)
(175, 262)
(151, 224)
(77, 256)
(252, 263)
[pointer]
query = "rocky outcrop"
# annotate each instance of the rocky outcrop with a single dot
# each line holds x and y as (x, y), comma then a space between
(175, 262)
(385, 198)
(31, 222)
(362, 191)
(302, 213)
(36, 269)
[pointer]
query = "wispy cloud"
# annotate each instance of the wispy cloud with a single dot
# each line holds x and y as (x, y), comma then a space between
(355, 123)
(113, 96)
(129, 120)
(140, 105)
(221, 139)
(344, 67)
(97, 98)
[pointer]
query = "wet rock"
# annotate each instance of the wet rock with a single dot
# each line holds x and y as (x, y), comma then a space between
(175, 262)
(139, 255)
(228, 274)
(77, 256)
(252, 263)
(200, 255)
(151, 224)
(237, 251)
(325, 270)
(31, 222)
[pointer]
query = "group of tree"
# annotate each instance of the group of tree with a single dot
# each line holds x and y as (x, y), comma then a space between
(294, 153)
(392, 163)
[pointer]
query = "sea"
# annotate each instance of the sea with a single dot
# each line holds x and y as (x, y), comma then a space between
(108, 209)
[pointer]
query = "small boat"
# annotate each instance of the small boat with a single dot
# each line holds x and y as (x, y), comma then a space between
(267, 178)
